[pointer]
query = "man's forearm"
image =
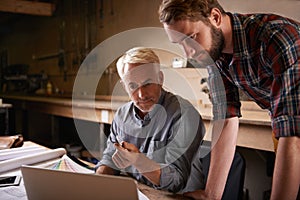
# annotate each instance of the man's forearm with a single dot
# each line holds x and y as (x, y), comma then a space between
(222, 153)
(149, 168)
(103, 169)
(286, 178)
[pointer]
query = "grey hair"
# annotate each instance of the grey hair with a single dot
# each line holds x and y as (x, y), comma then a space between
(136, 55)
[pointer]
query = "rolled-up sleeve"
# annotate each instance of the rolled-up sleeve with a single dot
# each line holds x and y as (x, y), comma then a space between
(109, 151)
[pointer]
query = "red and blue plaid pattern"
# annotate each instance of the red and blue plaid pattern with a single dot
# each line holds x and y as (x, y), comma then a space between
(265, 65)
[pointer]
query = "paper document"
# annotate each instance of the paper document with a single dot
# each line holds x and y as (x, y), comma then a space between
(6, 154)
(67, 164)
(142, 196)
(31, 159)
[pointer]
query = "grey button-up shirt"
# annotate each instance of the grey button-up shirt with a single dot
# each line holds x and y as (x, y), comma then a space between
(170, 134)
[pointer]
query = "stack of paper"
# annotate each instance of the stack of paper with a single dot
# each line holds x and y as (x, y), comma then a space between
(16, 157)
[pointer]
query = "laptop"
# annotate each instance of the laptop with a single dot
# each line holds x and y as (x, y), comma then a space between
(42, 183)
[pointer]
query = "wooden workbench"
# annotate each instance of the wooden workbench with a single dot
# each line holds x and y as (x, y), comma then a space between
(151, 193)
(254, 130)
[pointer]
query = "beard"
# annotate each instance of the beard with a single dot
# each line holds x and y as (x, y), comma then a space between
(213, 53)
(218, 43)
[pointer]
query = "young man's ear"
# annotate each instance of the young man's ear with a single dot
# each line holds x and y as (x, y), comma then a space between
(215, 17)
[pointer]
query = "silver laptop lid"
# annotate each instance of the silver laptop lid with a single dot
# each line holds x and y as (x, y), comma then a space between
(44, 184)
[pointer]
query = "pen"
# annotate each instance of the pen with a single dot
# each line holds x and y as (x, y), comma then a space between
(117, 141)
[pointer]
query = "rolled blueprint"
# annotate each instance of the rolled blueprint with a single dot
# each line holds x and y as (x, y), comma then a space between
(6, 154)
(31, 159)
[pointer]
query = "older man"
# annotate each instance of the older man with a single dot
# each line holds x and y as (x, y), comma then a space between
(153, 137)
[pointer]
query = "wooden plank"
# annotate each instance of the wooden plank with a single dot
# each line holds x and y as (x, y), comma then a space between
(249, 136)
(27, 7)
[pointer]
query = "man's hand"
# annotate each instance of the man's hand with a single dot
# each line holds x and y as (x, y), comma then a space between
(130, 147)
(126, 155)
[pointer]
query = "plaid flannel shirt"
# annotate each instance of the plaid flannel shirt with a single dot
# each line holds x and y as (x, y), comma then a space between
(265, 65)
